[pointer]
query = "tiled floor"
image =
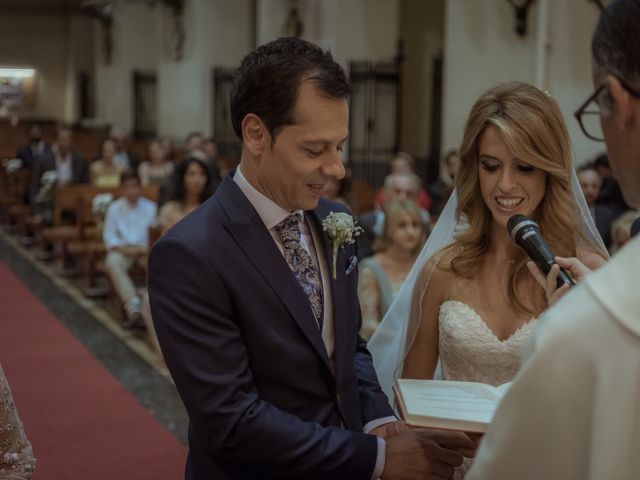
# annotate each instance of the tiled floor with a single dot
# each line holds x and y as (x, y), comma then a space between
(128, 358)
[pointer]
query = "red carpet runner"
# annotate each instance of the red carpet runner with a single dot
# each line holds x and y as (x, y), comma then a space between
(82, 422)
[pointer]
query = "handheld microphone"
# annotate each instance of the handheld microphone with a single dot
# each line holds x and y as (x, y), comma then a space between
(526, 234)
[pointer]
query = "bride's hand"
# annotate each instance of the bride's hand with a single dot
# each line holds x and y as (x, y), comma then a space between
(576, 269)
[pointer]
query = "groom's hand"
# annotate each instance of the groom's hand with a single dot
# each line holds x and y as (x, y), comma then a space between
(389, 429)
(421, 453)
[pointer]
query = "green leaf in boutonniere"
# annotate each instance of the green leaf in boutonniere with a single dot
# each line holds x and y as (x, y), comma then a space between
(341, 229)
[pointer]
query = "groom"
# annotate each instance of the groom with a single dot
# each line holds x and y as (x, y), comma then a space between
(259, 335)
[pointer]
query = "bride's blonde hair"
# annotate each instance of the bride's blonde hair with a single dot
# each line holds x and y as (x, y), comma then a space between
(531, 125)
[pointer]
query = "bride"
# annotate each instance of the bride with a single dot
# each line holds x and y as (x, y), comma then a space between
(469, 304)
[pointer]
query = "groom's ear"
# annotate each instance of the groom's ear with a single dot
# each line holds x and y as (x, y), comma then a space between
(255, 135)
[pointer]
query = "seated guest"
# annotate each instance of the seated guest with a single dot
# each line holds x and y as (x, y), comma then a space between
(603, 215)
(403, 163)
(441, 189)
(105, 172)
(192, 187)
(124, 156)
(126, 238)
(381, 275)
(169, 148)
(196, 145)
(34, 148)
(610, 192)
(68, 165)
(158, 169)
(396, 187)
(621, 229)
(337, 190)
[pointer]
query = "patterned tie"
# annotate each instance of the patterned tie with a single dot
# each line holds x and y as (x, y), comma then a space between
(300, 263)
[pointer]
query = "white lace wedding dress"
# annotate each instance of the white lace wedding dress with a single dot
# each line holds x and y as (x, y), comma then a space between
(470, 351)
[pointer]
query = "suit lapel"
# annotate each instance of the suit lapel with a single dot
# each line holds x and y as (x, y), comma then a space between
(338, 289)
(251, 235)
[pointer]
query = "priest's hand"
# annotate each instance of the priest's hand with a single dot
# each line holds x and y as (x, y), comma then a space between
(574, 267)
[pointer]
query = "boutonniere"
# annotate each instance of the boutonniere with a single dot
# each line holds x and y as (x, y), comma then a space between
(341, 229)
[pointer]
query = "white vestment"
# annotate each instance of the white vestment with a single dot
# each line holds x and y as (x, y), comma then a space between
(573, 412)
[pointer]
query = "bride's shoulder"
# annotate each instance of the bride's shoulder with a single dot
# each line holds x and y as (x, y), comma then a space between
(438, 268)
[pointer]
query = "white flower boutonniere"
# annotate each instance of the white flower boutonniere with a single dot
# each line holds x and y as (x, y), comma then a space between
(341, 229)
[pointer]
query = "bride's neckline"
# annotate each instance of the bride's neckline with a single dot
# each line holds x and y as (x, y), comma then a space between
(486, 326)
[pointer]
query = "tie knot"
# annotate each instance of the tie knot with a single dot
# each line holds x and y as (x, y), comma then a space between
(289, 229)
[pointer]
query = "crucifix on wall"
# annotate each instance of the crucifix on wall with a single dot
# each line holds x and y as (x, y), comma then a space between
(178, 35)
(521, 10)
(294, 26)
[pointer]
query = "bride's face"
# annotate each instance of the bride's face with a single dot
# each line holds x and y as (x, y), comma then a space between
(508, 184)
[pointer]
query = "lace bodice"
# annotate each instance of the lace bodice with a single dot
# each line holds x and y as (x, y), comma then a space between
(470, 351)
(16, 457)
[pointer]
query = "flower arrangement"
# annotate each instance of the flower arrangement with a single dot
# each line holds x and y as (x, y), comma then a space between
(100, 203)
(341, 229)
(12, 165)
(47, 181)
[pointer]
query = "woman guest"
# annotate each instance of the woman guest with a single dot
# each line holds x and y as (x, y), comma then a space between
(382, 275)
(191, 188)
(105, 172)
(158, 169)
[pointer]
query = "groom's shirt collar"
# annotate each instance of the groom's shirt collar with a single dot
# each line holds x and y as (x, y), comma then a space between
(269, 211)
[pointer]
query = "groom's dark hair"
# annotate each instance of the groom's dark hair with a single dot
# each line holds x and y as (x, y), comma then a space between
(268, 81)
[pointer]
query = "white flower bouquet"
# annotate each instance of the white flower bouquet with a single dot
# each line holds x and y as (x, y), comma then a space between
(47, 181)
(100, 203)
(341, 229)
(12, 165)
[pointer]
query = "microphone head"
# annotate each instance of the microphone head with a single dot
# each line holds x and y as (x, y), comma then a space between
(518, 225)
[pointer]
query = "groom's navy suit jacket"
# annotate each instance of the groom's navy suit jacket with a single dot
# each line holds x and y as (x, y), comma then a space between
(242, 344)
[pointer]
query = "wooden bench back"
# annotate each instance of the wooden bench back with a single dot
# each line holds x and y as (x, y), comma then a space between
(87, 194)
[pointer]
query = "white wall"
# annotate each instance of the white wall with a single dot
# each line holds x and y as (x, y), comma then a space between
(351, 29)
(43, 43)
(481, 50)
(422, 29)
(135, 47)
(218, 33)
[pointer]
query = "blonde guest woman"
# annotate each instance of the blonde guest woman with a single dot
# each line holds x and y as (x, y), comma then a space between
(470, 304)
(382, 275)
(105, 172)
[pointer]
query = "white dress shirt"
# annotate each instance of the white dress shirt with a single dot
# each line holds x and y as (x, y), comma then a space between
(127, 224)
(63, 168)
(271, 215)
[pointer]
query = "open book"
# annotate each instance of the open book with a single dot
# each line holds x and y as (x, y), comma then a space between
(446, 404)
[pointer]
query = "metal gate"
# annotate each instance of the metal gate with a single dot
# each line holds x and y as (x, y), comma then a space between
(374, 119)
(145, 116)
(223, 134)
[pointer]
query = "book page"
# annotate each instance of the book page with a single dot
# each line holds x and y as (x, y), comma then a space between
(466, 401)
(502, 389)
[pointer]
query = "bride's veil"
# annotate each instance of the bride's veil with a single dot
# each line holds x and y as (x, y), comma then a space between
(395, 334)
